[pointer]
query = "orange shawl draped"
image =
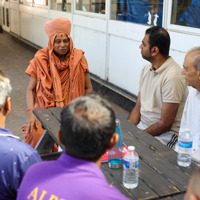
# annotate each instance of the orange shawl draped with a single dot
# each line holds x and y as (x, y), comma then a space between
(55, 78)
(55, 81)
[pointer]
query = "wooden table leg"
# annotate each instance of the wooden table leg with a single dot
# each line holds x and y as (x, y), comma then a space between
(45, 143)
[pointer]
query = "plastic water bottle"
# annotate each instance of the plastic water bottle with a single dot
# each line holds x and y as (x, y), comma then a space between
(185, 149)
(115, 154)
(131, 167)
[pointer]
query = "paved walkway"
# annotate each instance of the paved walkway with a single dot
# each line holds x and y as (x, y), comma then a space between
(14, 59)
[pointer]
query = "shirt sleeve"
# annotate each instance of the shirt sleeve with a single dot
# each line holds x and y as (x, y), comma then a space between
(173, 89)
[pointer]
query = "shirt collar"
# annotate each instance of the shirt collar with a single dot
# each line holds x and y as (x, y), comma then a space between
(163, 66)
(67, 158)
(80, 164)
(6, 132)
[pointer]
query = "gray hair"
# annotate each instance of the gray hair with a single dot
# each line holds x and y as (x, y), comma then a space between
(5, 88)
(197, 57)
(94, 107)
(87, 125)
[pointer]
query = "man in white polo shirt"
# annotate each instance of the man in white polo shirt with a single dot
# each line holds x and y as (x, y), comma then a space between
(162, 89)
(191, 114)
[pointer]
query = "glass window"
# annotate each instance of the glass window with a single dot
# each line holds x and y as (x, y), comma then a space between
(26, 2)
(139, 11)
(41, 2)
(7, 18)
(96, 6)
(62, 5)
(4, 23)
(186, 13)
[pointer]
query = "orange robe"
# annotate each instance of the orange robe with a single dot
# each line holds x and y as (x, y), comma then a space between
(55, 81)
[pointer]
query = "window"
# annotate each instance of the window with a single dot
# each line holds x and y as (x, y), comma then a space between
(41, 2)
(4, 23)
(7, 17)
(147, 12)
(26, 2)
(62, 5)
(186, 13)
(95, 6)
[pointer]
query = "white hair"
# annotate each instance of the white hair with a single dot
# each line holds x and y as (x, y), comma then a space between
(5, 89)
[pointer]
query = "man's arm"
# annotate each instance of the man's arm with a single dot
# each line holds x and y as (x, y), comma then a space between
(134, 116)
(30, 97)
(88, 85)
(168, 115)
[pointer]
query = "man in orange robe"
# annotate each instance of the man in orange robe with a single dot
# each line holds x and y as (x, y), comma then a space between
(58, 74)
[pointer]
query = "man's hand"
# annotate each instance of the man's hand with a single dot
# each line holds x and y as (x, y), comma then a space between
(31, 122)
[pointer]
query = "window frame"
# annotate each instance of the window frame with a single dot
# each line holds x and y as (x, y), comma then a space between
(91, 14)
(179, 28)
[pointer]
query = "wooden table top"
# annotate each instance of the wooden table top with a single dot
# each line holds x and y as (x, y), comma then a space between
(160, 177)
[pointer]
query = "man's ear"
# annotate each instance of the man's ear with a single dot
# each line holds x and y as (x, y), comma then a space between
(199, 73)
(7, 106)
(60, 137)
(154, 51)
(8, 103)
(114, 139)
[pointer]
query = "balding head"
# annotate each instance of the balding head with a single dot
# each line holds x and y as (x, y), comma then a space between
(196, 55)
(87, 126)
(191, 68)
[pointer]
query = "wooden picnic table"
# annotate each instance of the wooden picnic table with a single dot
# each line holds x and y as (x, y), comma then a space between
(160, 177)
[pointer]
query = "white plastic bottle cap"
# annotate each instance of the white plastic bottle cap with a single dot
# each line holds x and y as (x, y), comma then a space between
(131, 148)
(117, 122)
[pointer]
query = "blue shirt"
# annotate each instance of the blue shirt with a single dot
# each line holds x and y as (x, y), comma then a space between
(15, 158)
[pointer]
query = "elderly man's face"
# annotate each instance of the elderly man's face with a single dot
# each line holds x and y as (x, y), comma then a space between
(61, 44)
(192, 75)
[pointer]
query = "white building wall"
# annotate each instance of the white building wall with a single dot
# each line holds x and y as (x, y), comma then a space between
(14, 18)
(111, 47)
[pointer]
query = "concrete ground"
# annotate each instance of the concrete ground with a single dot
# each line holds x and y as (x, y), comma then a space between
(14, 59)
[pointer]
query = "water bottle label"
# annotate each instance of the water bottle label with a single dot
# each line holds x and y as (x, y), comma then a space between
(126, 164)
(131, 165)
(137, 164)
(185, 144)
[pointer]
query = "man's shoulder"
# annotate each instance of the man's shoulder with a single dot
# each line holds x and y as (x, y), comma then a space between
(173, 66)
(173, 72)
(15, 147)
